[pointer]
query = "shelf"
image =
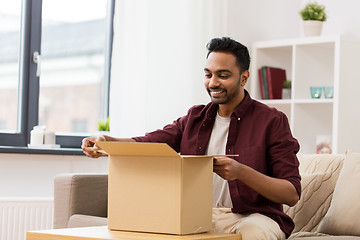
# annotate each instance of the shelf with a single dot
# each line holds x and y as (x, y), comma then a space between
(296, 101)
(276, 101)
(280, 43)
(315, 61)
(313, 101)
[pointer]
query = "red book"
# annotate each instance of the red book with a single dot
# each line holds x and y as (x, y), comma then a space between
(275, 78)
(261, 84)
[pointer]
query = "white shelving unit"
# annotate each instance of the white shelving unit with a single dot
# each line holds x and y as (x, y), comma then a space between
(315, 61)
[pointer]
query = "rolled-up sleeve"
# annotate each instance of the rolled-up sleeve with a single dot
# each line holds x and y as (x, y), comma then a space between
(282, 152)
(170, 134)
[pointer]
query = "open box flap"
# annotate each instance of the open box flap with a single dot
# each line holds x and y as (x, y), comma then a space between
(137, 149)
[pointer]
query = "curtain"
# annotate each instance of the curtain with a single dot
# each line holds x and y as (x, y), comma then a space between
(159, 52)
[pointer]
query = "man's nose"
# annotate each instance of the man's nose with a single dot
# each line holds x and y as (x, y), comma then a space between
(214, 82)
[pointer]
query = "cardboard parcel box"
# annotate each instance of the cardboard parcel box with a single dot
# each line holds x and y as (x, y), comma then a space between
(154, 189)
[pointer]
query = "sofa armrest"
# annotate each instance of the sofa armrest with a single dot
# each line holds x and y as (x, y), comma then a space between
(79, 193)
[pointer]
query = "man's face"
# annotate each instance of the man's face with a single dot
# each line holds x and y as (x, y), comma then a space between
(223, 78)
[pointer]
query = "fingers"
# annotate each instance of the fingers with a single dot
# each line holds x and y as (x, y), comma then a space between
(90, 141)
(220, 165)
(87, 142)
(225, 167)
(220, 161)
(92, 153)
(90, 148)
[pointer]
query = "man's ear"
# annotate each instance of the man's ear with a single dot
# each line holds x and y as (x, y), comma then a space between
(244, 77)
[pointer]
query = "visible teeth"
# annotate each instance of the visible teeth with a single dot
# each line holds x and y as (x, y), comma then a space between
(217, 92)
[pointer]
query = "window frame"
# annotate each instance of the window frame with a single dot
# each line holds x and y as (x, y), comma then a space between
(29, 86)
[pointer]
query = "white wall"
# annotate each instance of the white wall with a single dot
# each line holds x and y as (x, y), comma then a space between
(32, 175)
(257, 20)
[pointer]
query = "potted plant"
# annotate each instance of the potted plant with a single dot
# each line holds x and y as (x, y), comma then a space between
(286, 91)
(103, 127)
(313, 16)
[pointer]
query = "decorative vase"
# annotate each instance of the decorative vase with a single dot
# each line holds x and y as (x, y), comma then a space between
(312, 28)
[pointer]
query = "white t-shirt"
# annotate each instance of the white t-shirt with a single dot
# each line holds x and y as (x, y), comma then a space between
(217, 145)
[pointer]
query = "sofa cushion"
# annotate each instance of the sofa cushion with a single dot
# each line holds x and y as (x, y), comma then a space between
(343, 215)
(317, 189)
(319, 236)
(79, 220)
(319, 173)
(328, 238)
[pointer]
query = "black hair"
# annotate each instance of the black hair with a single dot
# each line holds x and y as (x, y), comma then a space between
(228, 45)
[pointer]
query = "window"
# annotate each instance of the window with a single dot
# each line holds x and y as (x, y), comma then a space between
(78, 126)
(10, 18)
(54, 68)
(2, 124)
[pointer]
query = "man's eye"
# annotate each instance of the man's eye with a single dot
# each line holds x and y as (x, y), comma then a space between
(224, 76)
(208, 75)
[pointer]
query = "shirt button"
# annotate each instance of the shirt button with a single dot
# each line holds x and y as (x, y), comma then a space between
(238, 119)
(200, 147)
(204, 125)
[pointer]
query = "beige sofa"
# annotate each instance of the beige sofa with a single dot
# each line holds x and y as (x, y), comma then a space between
(329, 207)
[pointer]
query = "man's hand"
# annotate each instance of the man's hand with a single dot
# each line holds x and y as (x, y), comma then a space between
(90, 148)
(227, 168)
(274, 189)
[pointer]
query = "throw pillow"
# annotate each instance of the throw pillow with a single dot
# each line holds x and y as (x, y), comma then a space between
(342, 217)
(317, 189)
(315, 163)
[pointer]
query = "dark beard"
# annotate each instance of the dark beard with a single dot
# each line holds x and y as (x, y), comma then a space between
(228, 98)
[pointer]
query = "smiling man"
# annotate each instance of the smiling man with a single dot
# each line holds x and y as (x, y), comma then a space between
(249, 189)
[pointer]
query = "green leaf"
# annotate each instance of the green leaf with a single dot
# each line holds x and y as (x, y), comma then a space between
(103, 125)
(313, 11)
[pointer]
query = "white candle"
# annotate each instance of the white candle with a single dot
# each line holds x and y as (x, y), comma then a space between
(49, 137)
(37, 135)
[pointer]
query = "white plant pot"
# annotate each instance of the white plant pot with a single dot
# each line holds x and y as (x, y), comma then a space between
(312, 28)
(286, 93)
